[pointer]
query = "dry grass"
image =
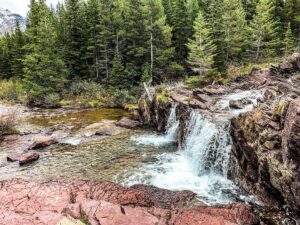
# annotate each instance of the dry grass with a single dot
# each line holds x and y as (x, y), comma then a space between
(8, 121)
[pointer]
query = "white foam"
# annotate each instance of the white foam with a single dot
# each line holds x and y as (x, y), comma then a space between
(161, 140)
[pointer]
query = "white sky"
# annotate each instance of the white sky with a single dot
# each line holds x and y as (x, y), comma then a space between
(20, 6)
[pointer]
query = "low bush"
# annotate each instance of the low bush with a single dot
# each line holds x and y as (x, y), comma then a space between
(7, 122)
(11, 90)
(52, 100)
(92, 94)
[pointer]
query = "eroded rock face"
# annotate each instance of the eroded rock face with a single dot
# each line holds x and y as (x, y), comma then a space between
(105, 203)
(266, 151)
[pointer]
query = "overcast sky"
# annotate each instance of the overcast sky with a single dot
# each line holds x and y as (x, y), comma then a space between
(20, 6)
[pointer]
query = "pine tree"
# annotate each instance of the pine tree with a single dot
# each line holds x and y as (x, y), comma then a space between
(280, 15)
(192, 7)
(289, 42)
(6, 56)
(17, 51)
(202, 49)
(167, 4)
(263, 29)
(109, 10)
(61, 29)
(93, 37)
(44, 69)
(159, 40)
(181, 30)
(118, 78)
(249, 7)
(75, 29)
(292, 11)
(133, 36)
(235, 28)
(214, 19)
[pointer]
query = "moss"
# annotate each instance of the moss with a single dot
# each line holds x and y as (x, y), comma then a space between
(162, 95)
(131, 107)
(14, 131)
(64, 102)
(161, 98)
(94, 104)
(279, 108)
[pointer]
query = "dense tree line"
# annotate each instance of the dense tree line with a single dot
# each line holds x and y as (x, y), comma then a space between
(121, 43)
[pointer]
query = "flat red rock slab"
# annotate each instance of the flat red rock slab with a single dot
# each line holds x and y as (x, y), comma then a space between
(106, 203)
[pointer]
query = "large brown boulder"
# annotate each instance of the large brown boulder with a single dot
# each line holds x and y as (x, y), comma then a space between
(23, 158)
(28, 157)
(42, 142)
(128, 123)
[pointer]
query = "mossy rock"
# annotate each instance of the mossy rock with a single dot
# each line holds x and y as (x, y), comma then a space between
(280, 108)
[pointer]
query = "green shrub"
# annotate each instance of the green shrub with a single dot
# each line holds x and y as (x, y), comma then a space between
(92, 94)
(52, 100)
(122, 97)
(10, 90)
(195, 81)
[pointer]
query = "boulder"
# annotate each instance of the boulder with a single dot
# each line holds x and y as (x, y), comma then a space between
(42, 142)
(14, 157)
(128, 123)
(239, 104)
(236, 104)
(28, 157)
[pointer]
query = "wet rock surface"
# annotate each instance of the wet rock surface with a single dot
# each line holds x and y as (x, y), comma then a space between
(24, 202)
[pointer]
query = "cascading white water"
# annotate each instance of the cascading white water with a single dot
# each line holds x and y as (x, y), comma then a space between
(201, 165)
(169, 137)
(208, 145)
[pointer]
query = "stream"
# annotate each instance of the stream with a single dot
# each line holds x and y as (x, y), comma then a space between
(136, 156)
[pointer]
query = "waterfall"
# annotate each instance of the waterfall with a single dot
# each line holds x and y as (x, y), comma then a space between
(207, 145)
(201, 164)
(169, 137)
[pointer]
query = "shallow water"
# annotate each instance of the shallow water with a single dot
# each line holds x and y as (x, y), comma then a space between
(76, 119)
(105, 159)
